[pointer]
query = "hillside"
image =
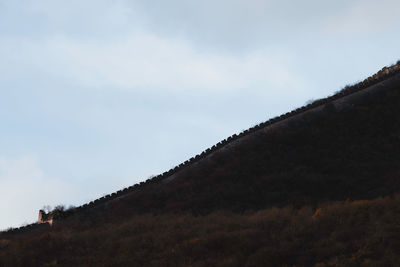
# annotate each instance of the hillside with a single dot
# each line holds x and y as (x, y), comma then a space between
(347, 148)
(289, 191)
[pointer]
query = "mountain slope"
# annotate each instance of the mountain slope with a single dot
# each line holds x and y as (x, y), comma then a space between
(343, 147)
(331, 155)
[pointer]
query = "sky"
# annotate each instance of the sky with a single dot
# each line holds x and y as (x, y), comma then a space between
(97, 95)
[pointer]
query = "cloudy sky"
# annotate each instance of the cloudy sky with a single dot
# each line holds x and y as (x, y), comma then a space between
(96, 95)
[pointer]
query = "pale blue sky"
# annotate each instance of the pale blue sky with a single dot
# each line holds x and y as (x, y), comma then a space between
(96, 95)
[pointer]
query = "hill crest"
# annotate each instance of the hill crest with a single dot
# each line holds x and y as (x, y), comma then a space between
(341, 100)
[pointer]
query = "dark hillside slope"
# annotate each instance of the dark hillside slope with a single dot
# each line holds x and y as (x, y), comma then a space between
(387, 79)
(341, 147)
(300, 190)
(344, 150)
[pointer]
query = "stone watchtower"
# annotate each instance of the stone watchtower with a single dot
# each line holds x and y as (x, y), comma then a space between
(45, 217)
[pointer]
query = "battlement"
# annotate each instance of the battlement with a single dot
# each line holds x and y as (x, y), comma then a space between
(347, 94)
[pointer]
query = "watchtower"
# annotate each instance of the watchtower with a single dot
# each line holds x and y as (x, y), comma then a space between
(45, 217)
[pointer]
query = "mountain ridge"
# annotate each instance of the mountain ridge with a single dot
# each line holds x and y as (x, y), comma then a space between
(338, 101)
(372, 81)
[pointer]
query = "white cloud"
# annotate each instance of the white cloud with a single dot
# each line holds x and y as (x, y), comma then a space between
(24, 189)
(150, 63)
(365, 17)
(38, 18)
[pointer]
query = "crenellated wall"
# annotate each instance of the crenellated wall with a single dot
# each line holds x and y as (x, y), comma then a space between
(339, 101)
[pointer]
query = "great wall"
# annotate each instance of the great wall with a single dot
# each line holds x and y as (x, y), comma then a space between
(341, 100)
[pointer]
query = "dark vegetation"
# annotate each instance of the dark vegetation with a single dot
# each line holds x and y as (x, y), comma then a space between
(360, 233)
(320, 189)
